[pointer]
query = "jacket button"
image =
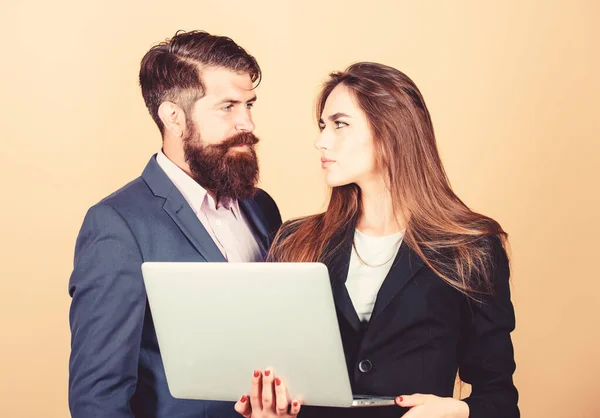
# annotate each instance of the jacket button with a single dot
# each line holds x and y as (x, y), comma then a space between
(365, 366)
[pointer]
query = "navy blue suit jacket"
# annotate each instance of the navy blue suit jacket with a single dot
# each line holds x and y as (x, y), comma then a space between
(115, 368)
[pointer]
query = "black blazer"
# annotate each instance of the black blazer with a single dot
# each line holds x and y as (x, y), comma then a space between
(421, 331)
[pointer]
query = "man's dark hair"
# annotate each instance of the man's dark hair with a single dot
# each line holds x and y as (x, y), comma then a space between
(170, 71)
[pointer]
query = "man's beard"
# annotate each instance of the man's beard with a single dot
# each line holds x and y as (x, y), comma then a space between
(225, 172)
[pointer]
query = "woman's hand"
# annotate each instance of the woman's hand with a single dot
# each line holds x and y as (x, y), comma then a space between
(268, 398)
(431, 406)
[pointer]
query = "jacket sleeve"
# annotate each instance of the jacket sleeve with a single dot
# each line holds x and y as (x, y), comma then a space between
(486, 358)
(106, 317)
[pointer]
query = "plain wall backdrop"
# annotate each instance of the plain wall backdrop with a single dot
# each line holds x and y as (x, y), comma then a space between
(512, 87)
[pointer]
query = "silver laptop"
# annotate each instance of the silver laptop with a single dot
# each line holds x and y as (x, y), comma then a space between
(218, 322)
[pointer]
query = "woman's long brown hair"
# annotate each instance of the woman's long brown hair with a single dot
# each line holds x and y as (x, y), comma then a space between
(441, 229)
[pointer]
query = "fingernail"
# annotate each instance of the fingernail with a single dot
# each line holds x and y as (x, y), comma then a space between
(399, 398)
(267, 372)
(256, 373)
(295, 404)
(244, 399)
(277, 381)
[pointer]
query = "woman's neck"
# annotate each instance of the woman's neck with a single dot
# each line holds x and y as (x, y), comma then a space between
(377, 212)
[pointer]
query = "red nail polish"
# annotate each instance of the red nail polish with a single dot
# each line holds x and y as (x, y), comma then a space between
(295, 404)
(244, 399)
(267, 372)
(278, 381)
(400, 399)
(256, 373)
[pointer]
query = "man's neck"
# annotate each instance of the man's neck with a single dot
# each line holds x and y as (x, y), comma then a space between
(174, 152)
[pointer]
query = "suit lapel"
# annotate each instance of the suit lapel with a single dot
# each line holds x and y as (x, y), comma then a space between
(179, 210)
(405, 266)
(256, 217)
(338, 273)
(187, 221)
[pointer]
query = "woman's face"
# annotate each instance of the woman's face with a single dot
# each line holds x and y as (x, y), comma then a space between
(345, 141)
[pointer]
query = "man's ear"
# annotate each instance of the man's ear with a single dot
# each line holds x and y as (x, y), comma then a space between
(173, 118)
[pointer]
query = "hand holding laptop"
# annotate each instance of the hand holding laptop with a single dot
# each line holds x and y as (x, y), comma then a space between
(268, 398)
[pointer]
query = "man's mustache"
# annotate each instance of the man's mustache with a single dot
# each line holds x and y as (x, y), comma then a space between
(243, 138)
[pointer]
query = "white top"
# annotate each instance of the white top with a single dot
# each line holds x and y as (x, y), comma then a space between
(225, 222)
(363, 282)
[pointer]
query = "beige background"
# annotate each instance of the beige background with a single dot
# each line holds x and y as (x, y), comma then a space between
(513, 90)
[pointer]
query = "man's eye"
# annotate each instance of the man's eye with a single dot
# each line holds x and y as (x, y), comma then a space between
(228, 107)
(249, 105)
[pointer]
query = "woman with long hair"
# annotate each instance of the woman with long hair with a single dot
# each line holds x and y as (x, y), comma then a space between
(420, 281)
